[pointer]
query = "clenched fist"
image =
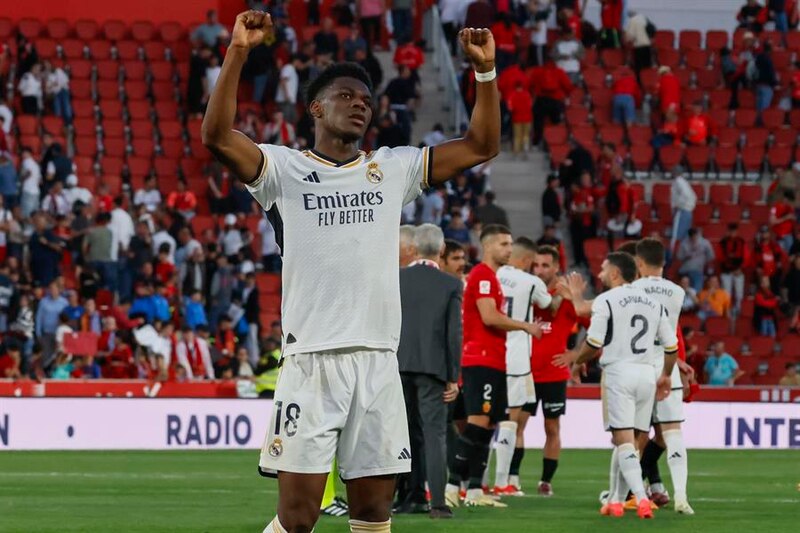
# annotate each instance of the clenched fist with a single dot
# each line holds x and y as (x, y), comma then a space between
(251, 29)
(478, 46)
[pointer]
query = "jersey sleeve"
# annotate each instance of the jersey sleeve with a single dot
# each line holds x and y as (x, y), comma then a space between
(667, 336)
(540, 296)
(418, 163)
(598, 328)
(266, 188)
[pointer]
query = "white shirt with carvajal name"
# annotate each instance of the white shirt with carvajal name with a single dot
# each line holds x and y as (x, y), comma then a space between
(337, 224)
(521, 291)
(626, 323)
(670, 296)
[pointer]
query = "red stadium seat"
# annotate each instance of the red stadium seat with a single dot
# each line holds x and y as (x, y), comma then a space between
(718, 99)
(165, 166)
(163, 90)
(53, 124)
(743, 327)
(761, 346)
(173, 148)
(716, 39)
(141, 129)
(670, 156)
(612, 133)
(46, 48)
(779, 157)
(86, 29)
(790, 346)
(747, 100)
(700, 191)
(139, 166)
(714, 231)
(698, 158)
(193, 127)
(115, 30)
(750, 194)
(729, 213)
(80, 69)
(6, 28)
(555, 134)
(717, 326)
(114, 147)
(702, 212)
(113, 128)
(201, 223)
(668, 57)
(756, 137)
(594, 78)
(793, 41)
(558, 154)
(107, 89)
(84, 165)
(171, 32)
(99, 49)
(154, 50)
(725, 158)
(689, 40)
(82, 108)
(112, 165)
(139, 110)
(784, 137)
(661, 194)
(590, 57)
(697, 59)
(110, 109)
(752, 158)
(664, 39)
(576, 116)
(167, 110)
(73, 49)
(759, 214)
(107, 70)
(135, 90)
(709, 79)
(29, 27)
(745, 118)
(58, 29)
(748, 231)
(84, 126)
(781, 59)
(127, 50)
(143, 31)
(143, 147)
(170, 129)
(728, 137)
(639, 135)
(612, 57)
(585, 135)
(27, 124)
(80, 89)
(161, 70)
(134, 70)
(773, 118)
(86, 145)
(191, 167)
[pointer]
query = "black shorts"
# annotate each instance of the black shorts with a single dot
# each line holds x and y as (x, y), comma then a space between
(553, 396)
(485, 392)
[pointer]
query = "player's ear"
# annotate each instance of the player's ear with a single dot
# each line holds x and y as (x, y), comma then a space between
(315, 109)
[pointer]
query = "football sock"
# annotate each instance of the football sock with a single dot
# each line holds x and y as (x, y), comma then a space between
(274, 527)
(549, 469)
(459, 467)
(678, 461)
(506, 445)
(330, 488)
(516, 461)
(631, 469)
(359, 526)
(481, 439)
(622, 492)
(650, 456)
(612, 477)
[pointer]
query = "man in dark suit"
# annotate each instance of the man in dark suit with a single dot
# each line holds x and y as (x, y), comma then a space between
(429, 357)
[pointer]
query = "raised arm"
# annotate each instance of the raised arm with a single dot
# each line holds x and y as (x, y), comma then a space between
(231, 147)
(482, 139)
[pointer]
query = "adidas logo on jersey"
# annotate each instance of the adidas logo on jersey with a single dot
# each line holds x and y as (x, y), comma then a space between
(312, 178)
(405, 454)
(676, 455)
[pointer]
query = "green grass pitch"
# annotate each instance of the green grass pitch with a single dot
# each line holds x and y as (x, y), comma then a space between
(220, 491)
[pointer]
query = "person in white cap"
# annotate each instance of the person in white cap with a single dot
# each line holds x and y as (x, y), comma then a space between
(74, 193)
(231, 239)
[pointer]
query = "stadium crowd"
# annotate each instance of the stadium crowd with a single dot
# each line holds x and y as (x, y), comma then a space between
(188, 254)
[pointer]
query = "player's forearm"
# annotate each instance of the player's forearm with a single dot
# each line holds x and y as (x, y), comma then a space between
(221, 111)
(496, 319)
(586, 354)
(669, 362)
(484, 126)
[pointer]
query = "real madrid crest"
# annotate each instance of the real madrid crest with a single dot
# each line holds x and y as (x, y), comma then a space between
(374, 174)
(276, 448)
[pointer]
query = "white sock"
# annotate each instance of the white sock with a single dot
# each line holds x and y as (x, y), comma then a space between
(621, 487)
(514, 480)
(612, 476)
(506, 441)
(275, 527)
(359, 526)
(678, 462)
(631, 469)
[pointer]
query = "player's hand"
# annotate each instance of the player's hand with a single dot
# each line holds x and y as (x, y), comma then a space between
(574, 284)
(450, 392)
(535, 328)
(565, 359)
(250, 29)
(562, 288)
(478, 46)
(663, 387)
(577, 372)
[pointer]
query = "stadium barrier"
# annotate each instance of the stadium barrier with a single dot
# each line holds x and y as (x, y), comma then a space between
(175, 424)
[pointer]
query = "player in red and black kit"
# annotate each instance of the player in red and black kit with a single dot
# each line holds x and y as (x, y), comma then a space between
(483, 367)
(550, 380)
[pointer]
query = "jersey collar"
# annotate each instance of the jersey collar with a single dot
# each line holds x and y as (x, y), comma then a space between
(426, 262)
(329, 161)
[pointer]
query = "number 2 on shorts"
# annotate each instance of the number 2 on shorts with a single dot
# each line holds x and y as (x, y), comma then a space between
(487, 392)
(292, 416)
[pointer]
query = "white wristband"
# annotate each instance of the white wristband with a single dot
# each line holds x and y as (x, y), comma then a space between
(483, 77)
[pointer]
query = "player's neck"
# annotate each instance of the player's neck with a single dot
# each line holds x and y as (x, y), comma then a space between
(491, 264)
(652, 272)
(335, 148)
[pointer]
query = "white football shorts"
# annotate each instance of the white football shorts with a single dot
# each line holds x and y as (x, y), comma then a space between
(342, 403)
(628, 393)
(670, 409)
(520, 390)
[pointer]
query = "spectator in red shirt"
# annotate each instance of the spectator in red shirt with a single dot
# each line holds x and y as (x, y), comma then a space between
(669, 90)
(10, 363)
(611, 20)
(795, 85)
(627, 97)
(571, 19)
(583, 217)
(183, 200)
(103, 199)
(669, 132)
(698, 127)
(506, 36)
(733, 252)
(765, 314)
(508, 79)
(551, 86)
(782, 218)
(412, 56)
(608, 164)
(520, 105)
(769, 258)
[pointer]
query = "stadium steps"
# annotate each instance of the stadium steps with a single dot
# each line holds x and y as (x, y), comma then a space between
(519, 186)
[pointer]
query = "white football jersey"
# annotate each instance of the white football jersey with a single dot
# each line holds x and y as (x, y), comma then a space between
(626, 323)
(670, 296)
(521, 291)
(337, 226)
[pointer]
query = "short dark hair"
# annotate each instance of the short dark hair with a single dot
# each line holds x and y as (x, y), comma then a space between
(651, 251)
(526, 244)
(494, 229)
(628, 248)
(334, 72)
(552, 251)
(789, 194)
(451, 246)
(625, 263)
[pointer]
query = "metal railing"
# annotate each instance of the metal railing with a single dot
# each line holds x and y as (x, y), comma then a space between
(448, 80)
